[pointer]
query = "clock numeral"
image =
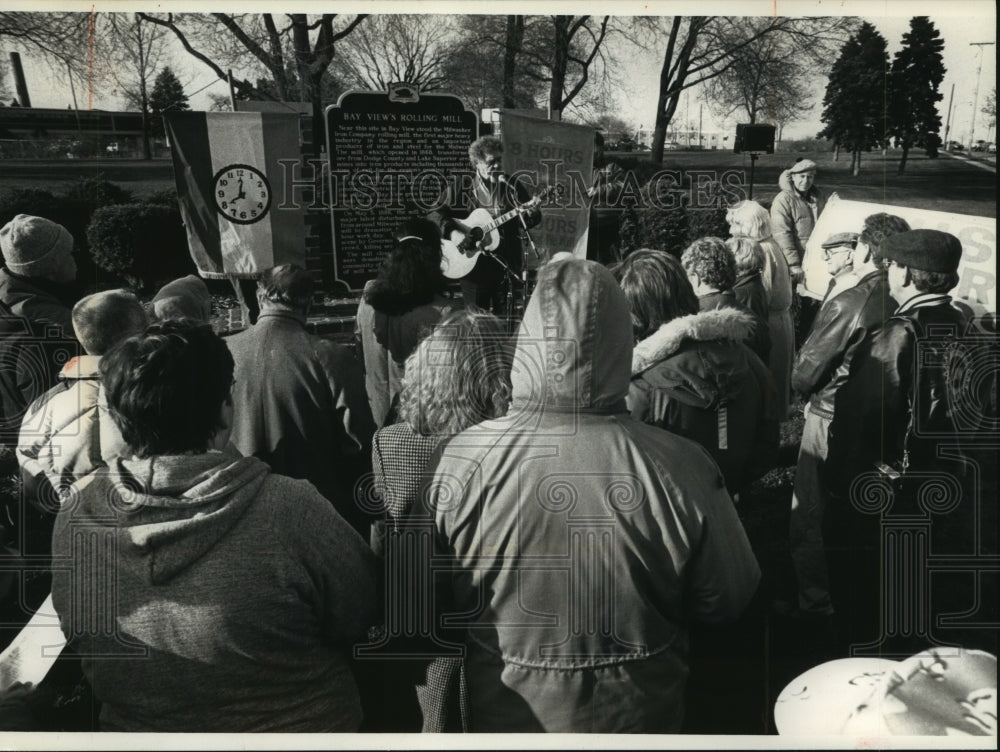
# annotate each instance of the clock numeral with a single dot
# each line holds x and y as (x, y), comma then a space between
(222, 194)
(229, 174)
(263, 194)
(253, 212)
(260, 184)
(260, 205)
(233, 212)
(239, 173)
(225, 204)
(223, 182)
(243, 215)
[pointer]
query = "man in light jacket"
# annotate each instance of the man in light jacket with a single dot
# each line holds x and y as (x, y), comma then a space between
(575, 543)
(794, 212)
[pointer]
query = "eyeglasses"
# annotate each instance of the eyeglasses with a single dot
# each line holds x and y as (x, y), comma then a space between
(837, 249)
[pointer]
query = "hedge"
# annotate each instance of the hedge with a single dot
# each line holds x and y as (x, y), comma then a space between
(143, 244)
(72, 209)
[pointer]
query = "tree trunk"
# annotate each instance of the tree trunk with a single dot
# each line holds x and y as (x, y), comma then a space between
(855, 162)
(147, 151)
(902, 160)
(560, 61)
(512, 46)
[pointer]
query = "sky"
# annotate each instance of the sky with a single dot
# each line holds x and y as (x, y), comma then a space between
(959, 21)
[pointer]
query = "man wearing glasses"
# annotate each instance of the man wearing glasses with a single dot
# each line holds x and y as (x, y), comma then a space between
(486, 285)
(822, 367)
(838, 252)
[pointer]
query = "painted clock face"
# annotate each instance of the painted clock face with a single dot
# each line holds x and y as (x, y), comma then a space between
(242, 194)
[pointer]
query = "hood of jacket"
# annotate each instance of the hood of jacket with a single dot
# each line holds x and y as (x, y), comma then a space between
(706, 326)
(785, 184)
(574, 345)
(171, 510)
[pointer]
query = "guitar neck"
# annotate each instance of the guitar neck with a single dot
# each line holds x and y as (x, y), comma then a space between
(507, 216)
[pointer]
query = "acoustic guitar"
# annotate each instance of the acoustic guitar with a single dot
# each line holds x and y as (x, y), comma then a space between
(478, 233)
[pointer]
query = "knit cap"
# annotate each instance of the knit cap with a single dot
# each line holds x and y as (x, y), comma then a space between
(34, 246)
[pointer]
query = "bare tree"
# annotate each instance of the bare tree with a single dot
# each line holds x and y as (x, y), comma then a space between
(700, 48)
(471, 69)
(769, 78)
(65, 41)
(134, 48)
(566, 54)
(397, 47)
(294, 51)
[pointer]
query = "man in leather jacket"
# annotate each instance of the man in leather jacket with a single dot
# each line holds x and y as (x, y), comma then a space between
(898, 408)
(822, 367)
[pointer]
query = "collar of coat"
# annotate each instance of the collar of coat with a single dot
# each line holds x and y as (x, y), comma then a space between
(82, 367)
(706, 326)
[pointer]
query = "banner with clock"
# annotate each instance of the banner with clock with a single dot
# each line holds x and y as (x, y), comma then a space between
(226, 165)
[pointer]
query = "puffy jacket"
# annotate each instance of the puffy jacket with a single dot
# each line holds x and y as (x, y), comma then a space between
(841, 325)
(792, 219)
(575, 542)
(695, 378)
(36, 340)
(759, 338)
(68, 432)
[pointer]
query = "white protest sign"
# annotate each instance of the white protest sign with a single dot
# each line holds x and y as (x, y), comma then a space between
(978, 235)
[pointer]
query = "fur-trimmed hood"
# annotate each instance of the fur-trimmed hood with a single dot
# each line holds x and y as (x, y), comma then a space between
(706, 326)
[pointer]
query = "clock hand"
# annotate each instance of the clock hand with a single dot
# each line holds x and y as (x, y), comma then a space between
(241, 194)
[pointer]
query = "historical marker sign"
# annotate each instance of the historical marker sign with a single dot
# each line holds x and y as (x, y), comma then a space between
(392, 156)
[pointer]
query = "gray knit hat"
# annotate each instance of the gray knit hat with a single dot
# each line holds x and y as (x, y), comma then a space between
(34, 246)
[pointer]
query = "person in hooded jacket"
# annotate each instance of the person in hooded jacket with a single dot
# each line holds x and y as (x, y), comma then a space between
(397, 309)
(205, 592)
(794, 212)
(692, 375)
(573, 543)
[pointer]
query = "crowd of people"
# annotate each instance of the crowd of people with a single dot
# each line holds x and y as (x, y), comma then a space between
(465, 530)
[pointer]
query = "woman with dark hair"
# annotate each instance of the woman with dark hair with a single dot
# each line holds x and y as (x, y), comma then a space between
(458, 377)
(692, 375)
(398, 308)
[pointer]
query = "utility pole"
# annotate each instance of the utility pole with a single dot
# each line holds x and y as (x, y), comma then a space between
(947, 122)
(975, 97)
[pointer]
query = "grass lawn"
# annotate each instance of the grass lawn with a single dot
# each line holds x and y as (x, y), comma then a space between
(947, 184)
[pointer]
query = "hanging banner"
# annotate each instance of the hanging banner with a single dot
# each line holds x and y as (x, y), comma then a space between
(543, 154)
(226, 165)
(977, 280)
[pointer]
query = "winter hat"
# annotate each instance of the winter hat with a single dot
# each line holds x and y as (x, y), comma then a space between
(34, 246)
(841, 238)
(803, 165)
(926, 250)
(184, 298)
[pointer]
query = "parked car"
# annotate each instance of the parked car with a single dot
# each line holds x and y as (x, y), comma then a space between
(112, 148)
(955, 146)
(991, 148)
(671, 146)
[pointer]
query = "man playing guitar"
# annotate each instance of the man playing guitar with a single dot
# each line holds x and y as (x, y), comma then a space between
(484, 285)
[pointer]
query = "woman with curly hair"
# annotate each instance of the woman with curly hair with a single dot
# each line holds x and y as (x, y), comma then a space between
(457, 377)
(711, 269)
(397, 310)
(748, 219)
